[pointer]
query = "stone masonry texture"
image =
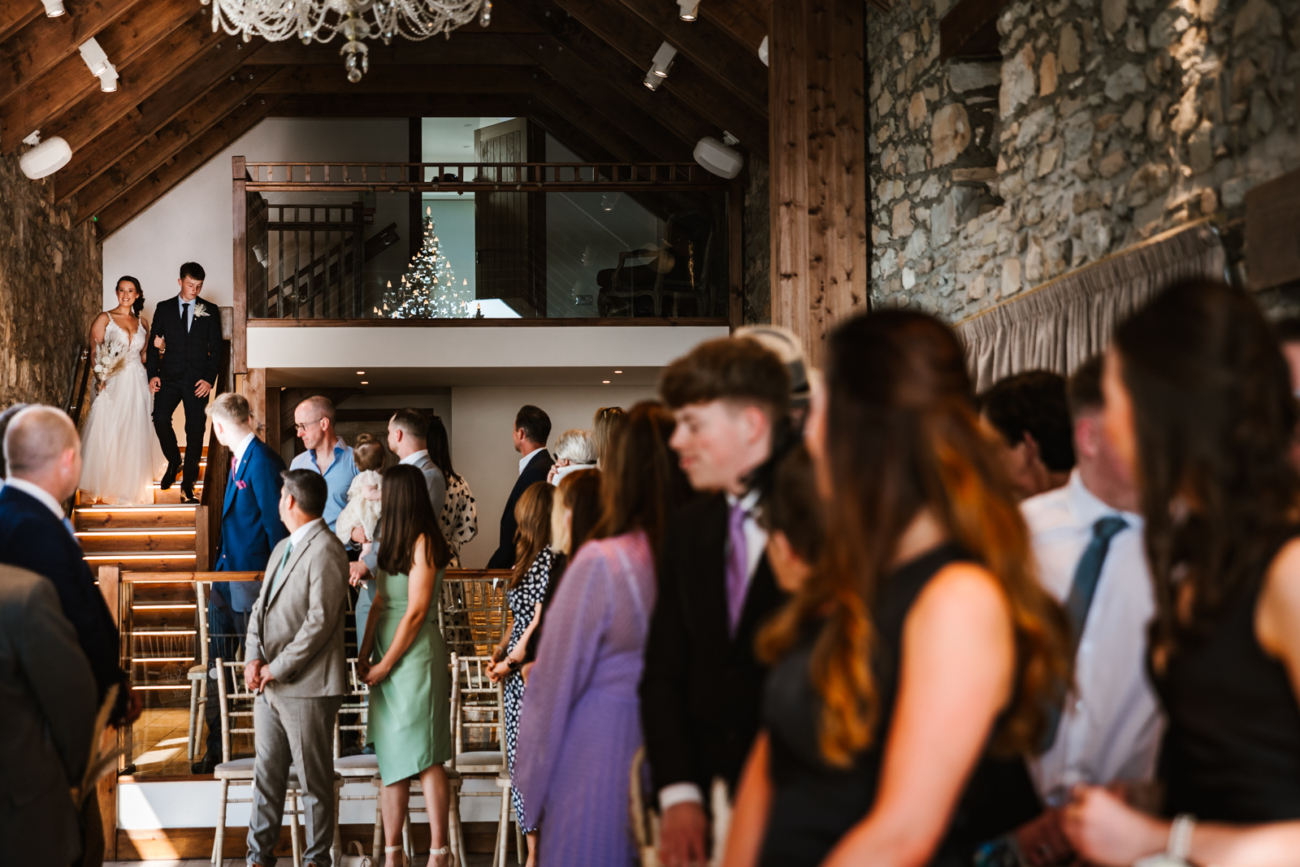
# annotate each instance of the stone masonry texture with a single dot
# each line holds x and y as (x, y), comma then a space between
(50, 289)
(1104, 122)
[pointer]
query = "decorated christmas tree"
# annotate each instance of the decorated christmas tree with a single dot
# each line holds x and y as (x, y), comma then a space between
(428, 289)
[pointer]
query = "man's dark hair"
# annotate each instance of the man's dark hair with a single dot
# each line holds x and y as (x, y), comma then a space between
(308, 490)
(1083, 391)
(535, 424)
(412, 422)
(728, 368)
(1033, 402)
(6, 417)
(1287, 330)
(195, 270)
(792, 505)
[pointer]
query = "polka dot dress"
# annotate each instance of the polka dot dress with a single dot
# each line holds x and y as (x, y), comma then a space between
(459, 518)
(523, 601)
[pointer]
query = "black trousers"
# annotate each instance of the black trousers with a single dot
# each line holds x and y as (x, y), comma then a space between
(164, 406)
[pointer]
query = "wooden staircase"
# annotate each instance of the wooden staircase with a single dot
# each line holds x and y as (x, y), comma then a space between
(164, 617)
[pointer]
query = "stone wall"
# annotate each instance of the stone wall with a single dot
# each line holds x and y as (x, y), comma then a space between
(1103, 123)
(50, 288)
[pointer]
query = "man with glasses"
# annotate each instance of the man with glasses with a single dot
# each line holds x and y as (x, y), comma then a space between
(326, 454)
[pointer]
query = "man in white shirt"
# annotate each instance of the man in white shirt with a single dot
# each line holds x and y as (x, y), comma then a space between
(1088, 542)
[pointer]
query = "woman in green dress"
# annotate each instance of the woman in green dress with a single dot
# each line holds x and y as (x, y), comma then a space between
(405, 661)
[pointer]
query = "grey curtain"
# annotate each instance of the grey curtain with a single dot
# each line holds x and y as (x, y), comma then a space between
(1061, 324)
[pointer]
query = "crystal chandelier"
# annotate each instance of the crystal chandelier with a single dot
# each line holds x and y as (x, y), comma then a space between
(354, 20)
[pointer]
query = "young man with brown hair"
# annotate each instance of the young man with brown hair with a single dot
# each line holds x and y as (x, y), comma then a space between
(701, 687)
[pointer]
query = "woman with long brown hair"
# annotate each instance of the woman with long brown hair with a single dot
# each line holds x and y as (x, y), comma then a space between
(534, 564)
(920, 642)
(1199, 403)
(404, 659)
(580, 726)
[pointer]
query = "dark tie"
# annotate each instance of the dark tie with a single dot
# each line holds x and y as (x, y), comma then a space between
(186, 315)
(1084, 588)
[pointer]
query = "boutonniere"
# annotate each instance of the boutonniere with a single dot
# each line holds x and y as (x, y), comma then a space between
(241, 484)
(200, 310)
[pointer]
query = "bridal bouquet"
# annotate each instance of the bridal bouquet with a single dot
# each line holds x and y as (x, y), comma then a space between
(109, 360)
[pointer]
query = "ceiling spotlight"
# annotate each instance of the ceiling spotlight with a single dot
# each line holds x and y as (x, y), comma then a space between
(108, 79)
(364, 382)
(652, 81)
(663, 60)
(762, 51)
(604, 382)
(95, 57)
(45, 158)
(361, 373)
(53, 8)
(690, 9)
(718, 157)
(618, 371)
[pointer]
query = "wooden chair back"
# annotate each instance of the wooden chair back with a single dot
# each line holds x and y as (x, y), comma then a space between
(236, 702)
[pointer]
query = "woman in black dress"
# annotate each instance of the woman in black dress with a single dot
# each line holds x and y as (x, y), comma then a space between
(1199, 402)
(921, 647)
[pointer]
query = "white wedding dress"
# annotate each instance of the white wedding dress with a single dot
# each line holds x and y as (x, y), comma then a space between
(120, 453)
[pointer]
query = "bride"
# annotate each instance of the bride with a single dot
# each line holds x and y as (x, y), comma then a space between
(120, 452)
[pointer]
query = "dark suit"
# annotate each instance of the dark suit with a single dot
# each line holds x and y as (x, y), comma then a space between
(32, 538)
(192, 354)
(48, 695)
(536, 471)
(250, 528)
(701, 688)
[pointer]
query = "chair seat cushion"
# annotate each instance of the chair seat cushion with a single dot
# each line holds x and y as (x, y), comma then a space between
(242, 769)
(479, 761)
(357, 766)
(198, 672)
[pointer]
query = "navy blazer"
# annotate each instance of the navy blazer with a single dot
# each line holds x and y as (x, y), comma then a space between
(536, 471)
(192, 353)
(250, 522)
(32, 538)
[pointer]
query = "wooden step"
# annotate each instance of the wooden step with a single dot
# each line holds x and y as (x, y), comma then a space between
(132, 517)
(173, 495)
(144, 561)
(153, 540)
(155, 614)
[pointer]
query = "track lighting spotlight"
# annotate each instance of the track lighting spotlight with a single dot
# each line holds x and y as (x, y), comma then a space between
(94, 56)
(690, 9)
(652, 81)
(663, 60)
(108, 79)
(53, 8)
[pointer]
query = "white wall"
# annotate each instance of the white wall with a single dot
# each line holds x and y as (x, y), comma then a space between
(193, 222)
(482, 450)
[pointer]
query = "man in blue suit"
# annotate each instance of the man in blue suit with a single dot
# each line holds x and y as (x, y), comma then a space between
(250, 528)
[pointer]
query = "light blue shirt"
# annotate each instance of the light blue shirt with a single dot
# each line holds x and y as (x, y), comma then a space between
(189, 318)
(338, 477)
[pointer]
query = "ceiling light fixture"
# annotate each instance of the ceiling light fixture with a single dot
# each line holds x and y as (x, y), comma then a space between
(690, 9)
(364, 382)
(604, 382)
(361, 373)
(45, 157)
(618, 371)
(354, 20)
(663, 60)
(95, 57)
(108, 79)
(762, 51)
(53, 8)
(652, 81)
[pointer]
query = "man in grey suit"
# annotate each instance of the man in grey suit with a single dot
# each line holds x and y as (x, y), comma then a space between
(49, 698)
(408, 437)
(297, 665)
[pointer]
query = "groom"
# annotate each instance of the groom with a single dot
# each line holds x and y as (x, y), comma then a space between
(184, 372)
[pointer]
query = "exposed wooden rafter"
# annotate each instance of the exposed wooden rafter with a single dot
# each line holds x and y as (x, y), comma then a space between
(467, 48)
(187, 161)
(159, 146)
(43, 42)
(17, 14)
(98, 149)
(141, 28)
(746, 21)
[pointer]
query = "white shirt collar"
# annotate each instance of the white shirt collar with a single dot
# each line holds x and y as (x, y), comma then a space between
(414, 456)
(523, 462)
(296, 536)
(1088, 508)
(39, 493)
(238, 451)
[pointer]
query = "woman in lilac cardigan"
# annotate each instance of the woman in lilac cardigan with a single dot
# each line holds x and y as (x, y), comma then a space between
(580, 725)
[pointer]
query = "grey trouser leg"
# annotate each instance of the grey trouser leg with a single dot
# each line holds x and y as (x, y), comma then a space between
(297, 732)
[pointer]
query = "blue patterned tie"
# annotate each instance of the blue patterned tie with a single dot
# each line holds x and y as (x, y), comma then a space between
(1084, 588)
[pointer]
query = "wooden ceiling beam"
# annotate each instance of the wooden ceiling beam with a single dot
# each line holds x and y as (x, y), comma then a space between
(665, 126)
(404, 105)
(623, 146)
(624, 43)
(182, 164)
(141, 28)
(211, 82)
(400, 79)
(745, 21)
(464, 48)
(706, 45)
(192, 125)
(43, 42)
(140, 79)
(17, 14)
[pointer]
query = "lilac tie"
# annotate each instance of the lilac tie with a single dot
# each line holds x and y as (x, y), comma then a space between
(737, 566)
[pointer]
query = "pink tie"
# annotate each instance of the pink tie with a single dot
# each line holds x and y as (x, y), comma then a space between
(234, 464)
(737, 566)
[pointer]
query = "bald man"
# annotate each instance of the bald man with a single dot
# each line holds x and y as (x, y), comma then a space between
(43, 456)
